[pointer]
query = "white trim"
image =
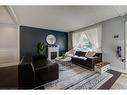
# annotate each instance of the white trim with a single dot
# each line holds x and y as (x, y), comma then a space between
(8, 64)
(12, 14)
(118, 69)
(7, 23)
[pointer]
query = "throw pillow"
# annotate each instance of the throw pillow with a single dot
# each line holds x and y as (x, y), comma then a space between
(72, 52)
(90, 54)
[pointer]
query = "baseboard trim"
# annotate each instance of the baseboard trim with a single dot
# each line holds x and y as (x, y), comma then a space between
(118, 69)
(8, 64)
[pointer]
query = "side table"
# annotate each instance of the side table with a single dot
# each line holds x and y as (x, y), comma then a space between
(102, 67)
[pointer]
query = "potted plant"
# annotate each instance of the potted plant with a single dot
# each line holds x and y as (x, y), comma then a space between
(40, 48)
(63, 55)
(41, 59)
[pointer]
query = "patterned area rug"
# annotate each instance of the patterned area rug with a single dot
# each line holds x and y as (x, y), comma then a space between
(76, 77)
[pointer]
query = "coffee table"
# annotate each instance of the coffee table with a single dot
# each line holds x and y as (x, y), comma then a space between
(102, 67)
(66, 60)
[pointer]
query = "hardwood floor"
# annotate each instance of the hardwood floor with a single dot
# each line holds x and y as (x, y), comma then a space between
(111, 81)
(9, 77)
(121, 83)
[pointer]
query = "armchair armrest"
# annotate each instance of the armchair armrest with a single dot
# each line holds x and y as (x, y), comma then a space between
(94, 59)
(46, 74)
(26, 76)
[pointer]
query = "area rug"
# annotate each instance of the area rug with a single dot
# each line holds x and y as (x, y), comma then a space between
(76, 77)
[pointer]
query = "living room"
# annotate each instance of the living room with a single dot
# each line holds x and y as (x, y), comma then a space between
(63, 47)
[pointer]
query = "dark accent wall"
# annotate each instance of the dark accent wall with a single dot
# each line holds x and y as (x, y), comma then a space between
(30, 36)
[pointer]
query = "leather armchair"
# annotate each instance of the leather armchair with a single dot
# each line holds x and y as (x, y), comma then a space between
(35, 71)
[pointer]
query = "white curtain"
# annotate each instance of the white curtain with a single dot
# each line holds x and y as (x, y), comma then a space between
(76, 39)
(93, 34)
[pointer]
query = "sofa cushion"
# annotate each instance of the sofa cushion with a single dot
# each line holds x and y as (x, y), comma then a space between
(72, 52)
(80, 57)
(75, 56)
(84, 58)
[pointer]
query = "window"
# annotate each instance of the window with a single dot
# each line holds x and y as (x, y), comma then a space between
(88, 39)
(80, 41)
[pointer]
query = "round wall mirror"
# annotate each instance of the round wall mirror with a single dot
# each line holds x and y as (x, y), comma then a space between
(51, 39)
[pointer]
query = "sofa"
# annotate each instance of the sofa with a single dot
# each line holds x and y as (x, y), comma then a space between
(35, 71)
(80, 59)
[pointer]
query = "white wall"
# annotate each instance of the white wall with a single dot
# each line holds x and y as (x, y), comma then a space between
(109, 44)
(9, 38)
(8, 44)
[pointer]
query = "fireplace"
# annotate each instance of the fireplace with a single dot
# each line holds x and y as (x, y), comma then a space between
(53, 52)
(53, 55)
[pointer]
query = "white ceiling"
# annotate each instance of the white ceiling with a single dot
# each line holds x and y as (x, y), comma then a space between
(65, 18)
(5, 16)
